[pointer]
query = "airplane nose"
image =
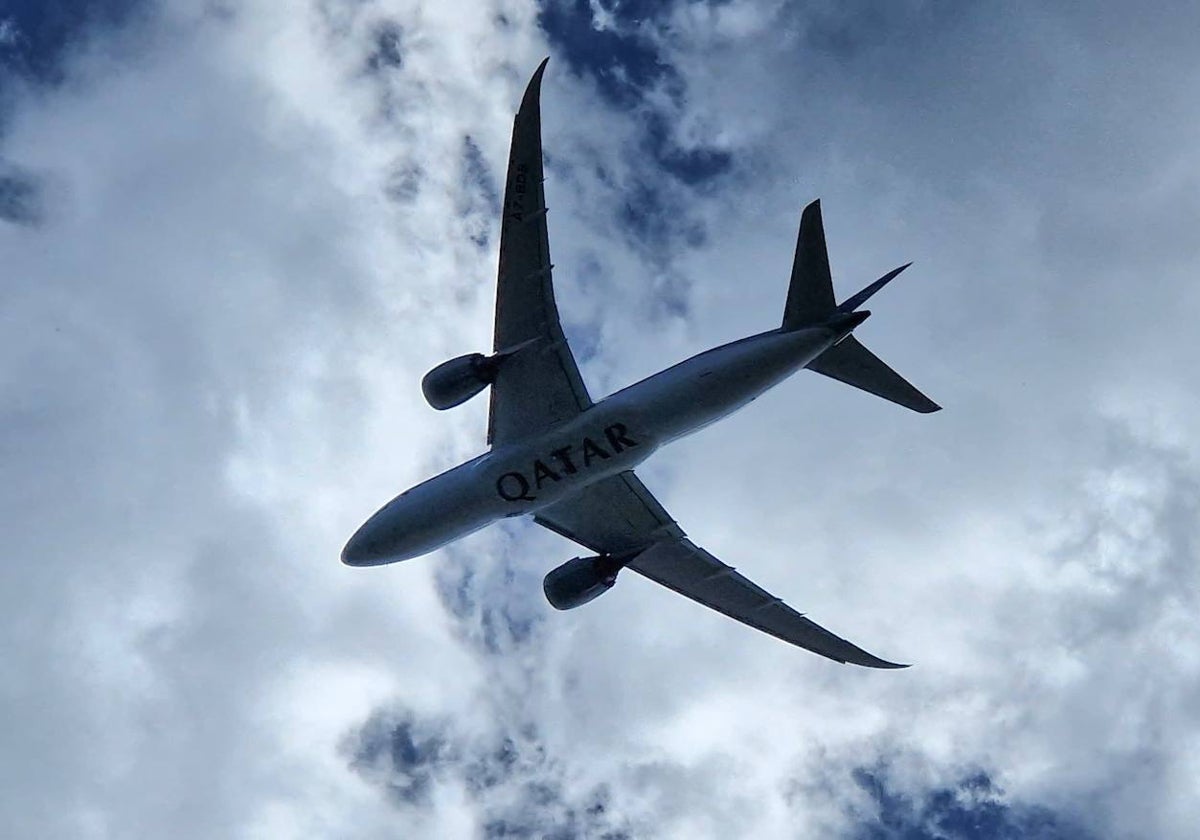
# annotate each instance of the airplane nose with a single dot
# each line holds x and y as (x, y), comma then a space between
(353, 554)
(364, 548)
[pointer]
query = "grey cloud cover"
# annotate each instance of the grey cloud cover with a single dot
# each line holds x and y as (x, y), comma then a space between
(256, 229)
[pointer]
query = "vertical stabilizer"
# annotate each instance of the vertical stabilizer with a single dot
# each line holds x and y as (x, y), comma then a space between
(810, 298)
(811, 303)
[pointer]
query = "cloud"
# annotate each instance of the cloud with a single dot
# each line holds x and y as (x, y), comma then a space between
(256, 228)
(512, 781)
(22, 199)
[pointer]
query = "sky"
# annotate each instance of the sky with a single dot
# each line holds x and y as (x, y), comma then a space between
(234, 236)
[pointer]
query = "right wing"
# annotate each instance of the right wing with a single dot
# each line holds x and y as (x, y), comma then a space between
(538, 385)
(618, 514)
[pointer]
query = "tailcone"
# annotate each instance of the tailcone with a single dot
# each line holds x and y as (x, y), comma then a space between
(845, 322)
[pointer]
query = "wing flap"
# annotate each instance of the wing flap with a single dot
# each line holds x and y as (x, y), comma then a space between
(694, 573)
(618, 515)
(611, 517)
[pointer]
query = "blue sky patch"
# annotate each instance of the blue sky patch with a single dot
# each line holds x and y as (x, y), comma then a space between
(405, 754)
(973, 808)
(386, 53)
(403, 183)
(516, 784)
(479, 202)
(695, 166)
(619, 51)
(624, 62)
(39, 33)
(490, 602)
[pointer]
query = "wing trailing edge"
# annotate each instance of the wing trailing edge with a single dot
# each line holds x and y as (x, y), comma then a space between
(619, 516)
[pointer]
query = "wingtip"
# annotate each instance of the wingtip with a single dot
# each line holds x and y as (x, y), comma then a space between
(534, 88)
(535, 80)
(870, 661)
(854, 655)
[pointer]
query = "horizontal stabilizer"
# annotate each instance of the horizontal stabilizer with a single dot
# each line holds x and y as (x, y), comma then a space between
(852, 303)
(850, 362)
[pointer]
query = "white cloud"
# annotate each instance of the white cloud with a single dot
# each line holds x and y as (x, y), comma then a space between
(8, 32)
(210, 355)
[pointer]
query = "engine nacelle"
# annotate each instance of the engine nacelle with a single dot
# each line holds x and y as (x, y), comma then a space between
(583, 579)
(456, 381)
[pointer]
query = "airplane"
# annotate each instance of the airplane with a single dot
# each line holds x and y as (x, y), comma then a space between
(568, 460)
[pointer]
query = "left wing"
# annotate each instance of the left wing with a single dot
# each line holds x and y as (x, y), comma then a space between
(618, 515)
(538, 385)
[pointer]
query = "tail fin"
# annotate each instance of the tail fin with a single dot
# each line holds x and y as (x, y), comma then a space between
(810, 296)
(810, 302)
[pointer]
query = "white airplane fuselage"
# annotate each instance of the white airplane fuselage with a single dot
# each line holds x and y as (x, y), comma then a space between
(614, 435)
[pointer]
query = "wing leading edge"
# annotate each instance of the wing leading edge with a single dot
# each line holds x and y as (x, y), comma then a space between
(619, 514)
(538, 385)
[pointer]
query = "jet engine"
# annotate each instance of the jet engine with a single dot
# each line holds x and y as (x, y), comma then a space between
(456, 381)
(583, 579)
